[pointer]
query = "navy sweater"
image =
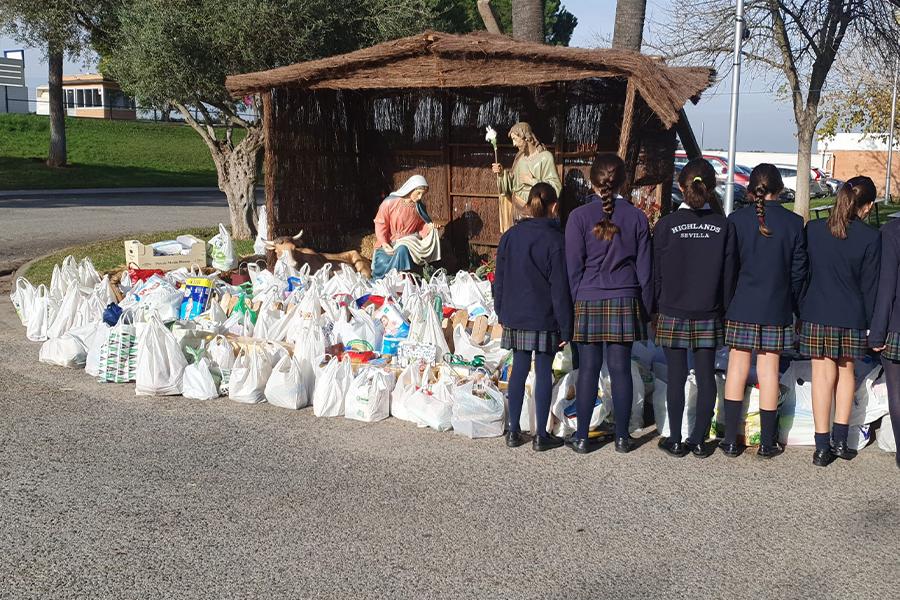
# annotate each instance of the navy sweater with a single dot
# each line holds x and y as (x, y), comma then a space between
(531, 287)
(772, 270)
(843, 275)
(887, 304)
(694, 256)
(620, 268)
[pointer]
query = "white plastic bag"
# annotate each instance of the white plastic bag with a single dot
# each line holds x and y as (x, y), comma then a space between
(408, 384)
(40, 314)
(221, 360)
(885, 436)
(796, 426)
(199, 382)
(356, 324)
(478, 409)
(66, 314)
(332, 382)
(92, 360)
(262, 231)
(309, 346)
(22, 298)
(562, 421)
(434, 409)
(160, 362)
(870, 402)
(425, 326)
(285, 387)
(118, 354)
(71, 349)
(491, 351)
(369, 395)
(220, 250)
(249, 375)
(464, 291)
(689, 416)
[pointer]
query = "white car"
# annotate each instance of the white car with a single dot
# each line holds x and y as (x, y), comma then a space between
(817, 186)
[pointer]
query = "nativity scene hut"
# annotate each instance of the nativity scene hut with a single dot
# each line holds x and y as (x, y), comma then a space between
(343, 131)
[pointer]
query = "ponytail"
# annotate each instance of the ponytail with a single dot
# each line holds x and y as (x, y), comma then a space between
(607, 177)
(697, 181)
(851, 198)
(765, 180)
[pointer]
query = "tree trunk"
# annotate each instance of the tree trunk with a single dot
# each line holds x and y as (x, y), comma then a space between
(57, 154)
(528, 20)
(629, 29)
(237, 171)
(806, 131)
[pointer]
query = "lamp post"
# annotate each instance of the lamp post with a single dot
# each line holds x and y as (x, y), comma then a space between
(891, 126)
(735, 90)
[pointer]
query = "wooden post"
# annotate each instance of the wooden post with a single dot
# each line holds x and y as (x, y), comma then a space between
(628, 146)
(487, 15)
(269, 166)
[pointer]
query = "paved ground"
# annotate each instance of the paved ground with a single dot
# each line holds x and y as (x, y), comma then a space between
(32, 223)
(108, 495)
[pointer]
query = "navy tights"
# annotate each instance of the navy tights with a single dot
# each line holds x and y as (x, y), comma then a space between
(618, 364)
(543, 386)
(705, 371)
(892, 378)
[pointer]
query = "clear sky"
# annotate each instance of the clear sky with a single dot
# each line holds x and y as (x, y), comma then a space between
(764, 124)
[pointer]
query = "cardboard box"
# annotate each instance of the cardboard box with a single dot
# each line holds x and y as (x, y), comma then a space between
(141, 256)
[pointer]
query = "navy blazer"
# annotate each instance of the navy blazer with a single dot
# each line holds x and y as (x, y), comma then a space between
(531, 285)
(843, 275)
(772, 271)
(886, 317)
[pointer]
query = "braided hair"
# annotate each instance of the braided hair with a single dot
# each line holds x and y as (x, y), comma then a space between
(607, 177)
(765, 180)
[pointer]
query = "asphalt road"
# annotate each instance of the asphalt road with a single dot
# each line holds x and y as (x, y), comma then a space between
(32, 225)
(107, 495)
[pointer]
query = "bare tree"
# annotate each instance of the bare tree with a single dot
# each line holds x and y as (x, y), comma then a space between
(629, 31)
(528, 20)
(801, 39)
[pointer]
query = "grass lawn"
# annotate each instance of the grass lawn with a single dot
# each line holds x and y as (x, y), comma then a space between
(103, 154)
(883, 210)
(110, 254)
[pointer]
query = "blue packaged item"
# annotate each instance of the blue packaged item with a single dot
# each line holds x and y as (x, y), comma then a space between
(294, 283)
(198, 293)
(112, 314)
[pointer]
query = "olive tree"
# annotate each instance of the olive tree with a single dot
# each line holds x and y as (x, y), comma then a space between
(178, 52)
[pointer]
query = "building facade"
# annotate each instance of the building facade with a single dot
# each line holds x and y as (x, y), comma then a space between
(92, 96)
(865, 154)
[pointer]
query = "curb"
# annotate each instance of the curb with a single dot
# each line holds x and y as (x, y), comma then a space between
(108, 191)
(20, 271)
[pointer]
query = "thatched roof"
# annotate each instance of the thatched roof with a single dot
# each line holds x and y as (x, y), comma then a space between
(442, 60)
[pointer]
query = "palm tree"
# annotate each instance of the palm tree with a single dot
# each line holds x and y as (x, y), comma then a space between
(528, 20)
(629, 31)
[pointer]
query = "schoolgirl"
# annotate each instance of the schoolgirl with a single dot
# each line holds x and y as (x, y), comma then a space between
(531, 297)
(694, 256)
(884, 335)
(844, 260)
(773, 269)
(609, 259)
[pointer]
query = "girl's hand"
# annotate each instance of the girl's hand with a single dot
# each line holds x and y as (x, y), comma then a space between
(879, 348)
(563, 345)
(497, 168)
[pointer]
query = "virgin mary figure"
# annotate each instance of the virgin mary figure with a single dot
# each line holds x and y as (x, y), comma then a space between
(405, 235)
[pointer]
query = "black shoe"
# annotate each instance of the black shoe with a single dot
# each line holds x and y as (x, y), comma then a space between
(770, 451)
(842, 450)
(730, 450)
(700, 450)
(544, 443)
(672, 448)
(624, 445)
(582, 445)
(514, 439)
(823, 458)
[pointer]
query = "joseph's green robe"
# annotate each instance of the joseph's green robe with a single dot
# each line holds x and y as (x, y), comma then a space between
(518, 181)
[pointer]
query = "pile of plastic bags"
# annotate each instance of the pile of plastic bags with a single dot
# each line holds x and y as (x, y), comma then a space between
(425, 351)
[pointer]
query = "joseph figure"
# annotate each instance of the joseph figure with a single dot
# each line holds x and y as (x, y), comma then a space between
(532, 164)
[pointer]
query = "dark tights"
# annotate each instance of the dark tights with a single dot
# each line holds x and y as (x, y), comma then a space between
(705, 371)
(619, 366)
(892, 377)
(543, 385)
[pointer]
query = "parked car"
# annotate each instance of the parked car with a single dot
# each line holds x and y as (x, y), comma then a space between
(834, 185)
(720, 164)
(817, 186)
(740, 195)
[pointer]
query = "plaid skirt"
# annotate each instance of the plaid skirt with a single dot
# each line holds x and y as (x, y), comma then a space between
(673, 332)
(827, 341)
(764, 338)
(892, 346)
(616, 320)
(531, 341)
